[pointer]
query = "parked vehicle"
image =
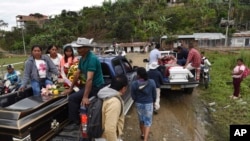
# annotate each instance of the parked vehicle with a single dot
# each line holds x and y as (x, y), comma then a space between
(115, 52)
(205, 76)
(25, 117)
(176, 78)
(7, 87)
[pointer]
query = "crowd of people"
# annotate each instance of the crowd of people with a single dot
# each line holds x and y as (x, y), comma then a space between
(44, 69)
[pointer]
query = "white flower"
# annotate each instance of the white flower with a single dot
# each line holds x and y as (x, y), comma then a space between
(53, 86)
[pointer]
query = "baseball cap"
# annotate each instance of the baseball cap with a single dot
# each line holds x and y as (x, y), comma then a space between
(10, 66)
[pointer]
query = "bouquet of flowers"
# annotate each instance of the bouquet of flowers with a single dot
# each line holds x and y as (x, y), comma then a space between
(51, 90)
(73, 68)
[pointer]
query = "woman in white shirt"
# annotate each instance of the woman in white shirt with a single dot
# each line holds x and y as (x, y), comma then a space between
(55, 57)
(237, 78)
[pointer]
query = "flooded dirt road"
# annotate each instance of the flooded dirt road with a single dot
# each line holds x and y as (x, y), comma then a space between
(181, 118)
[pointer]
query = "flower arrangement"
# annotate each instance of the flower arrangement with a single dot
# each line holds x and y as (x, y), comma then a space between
(73, 68)
(51, 90)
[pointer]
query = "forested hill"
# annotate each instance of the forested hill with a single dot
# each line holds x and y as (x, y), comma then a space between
(132, 20)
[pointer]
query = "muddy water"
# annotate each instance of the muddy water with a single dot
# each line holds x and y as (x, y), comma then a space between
(181, 118)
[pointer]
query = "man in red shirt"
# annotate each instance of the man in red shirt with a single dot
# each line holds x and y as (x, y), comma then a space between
(193, 60)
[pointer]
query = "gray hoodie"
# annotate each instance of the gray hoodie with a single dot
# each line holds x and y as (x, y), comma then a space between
(31, 72)
(107, 92)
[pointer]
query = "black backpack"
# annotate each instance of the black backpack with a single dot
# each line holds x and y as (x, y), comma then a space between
(94, 124)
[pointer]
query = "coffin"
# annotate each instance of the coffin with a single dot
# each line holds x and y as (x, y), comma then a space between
(178, 74)
(23, 115)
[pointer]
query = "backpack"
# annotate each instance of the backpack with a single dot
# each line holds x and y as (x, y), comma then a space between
(94, 124)
(246, 72)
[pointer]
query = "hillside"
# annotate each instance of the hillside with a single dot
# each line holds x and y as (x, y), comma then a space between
(131, 20)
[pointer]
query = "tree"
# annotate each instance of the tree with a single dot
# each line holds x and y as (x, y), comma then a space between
(3, 25)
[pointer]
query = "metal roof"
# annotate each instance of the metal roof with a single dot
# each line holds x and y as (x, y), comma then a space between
(210, 36)
(200, 36)
(242, 34)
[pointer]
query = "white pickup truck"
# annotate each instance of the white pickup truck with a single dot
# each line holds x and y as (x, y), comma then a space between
(175, 76)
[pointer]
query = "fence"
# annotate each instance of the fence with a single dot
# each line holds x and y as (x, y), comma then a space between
(232, 42)
(211, 43)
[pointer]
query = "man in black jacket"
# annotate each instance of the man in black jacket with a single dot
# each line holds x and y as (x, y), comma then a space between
(182, 54)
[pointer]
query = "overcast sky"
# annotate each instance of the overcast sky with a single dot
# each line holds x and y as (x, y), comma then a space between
(9, 9)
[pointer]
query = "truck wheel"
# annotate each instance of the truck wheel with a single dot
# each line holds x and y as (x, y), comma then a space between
(188, 90)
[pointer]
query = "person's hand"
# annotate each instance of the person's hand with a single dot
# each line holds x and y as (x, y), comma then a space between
(85, 101)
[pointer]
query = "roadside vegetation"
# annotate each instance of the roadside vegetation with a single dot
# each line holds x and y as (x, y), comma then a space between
(226, 111)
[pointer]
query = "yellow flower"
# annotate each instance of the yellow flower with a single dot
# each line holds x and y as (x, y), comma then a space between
(55, 92)
(71, 78)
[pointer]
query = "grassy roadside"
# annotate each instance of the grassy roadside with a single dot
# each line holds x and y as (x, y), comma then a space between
(226, 111)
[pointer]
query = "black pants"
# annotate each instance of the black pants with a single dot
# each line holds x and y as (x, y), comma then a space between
(75, 100)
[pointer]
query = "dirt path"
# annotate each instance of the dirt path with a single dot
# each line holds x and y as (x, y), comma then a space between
(181, 118)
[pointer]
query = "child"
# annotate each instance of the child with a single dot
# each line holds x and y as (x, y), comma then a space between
(67, 61)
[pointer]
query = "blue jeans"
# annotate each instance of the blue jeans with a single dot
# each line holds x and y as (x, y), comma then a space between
(181, 62)
(145, 113)
(37, 86)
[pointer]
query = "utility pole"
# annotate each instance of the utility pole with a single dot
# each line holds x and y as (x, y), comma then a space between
(23, 41)
(228, 18)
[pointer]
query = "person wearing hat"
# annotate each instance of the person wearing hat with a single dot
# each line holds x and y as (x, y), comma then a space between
(12, 75)
(156, 75)
(89, 68)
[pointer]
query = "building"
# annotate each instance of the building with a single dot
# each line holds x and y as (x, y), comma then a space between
(198, 39)
(135, 46)
(38, 18)
(241, 39)
(209, 39)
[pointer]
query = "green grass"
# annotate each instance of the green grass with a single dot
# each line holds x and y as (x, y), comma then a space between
(219, 92)
(10, 60)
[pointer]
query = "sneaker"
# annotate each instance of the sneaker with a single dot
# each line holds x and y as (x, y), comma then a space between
(142, 137)
(234, 98)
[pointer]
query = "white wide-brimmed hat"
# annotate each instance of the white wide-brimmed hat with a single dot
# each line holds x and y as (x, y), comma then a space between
(153, 65)
(83, 42)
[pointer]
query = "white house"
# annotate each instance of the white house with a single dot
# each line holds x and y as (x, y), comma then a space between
(135, 46)
(241, 39)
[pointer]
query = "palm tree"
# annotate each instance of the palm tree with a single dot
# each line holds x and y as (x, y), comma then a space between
(3, 24)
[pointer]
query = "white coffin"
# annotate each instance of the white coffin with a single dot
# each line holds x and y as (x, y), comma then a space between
(178, 74)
